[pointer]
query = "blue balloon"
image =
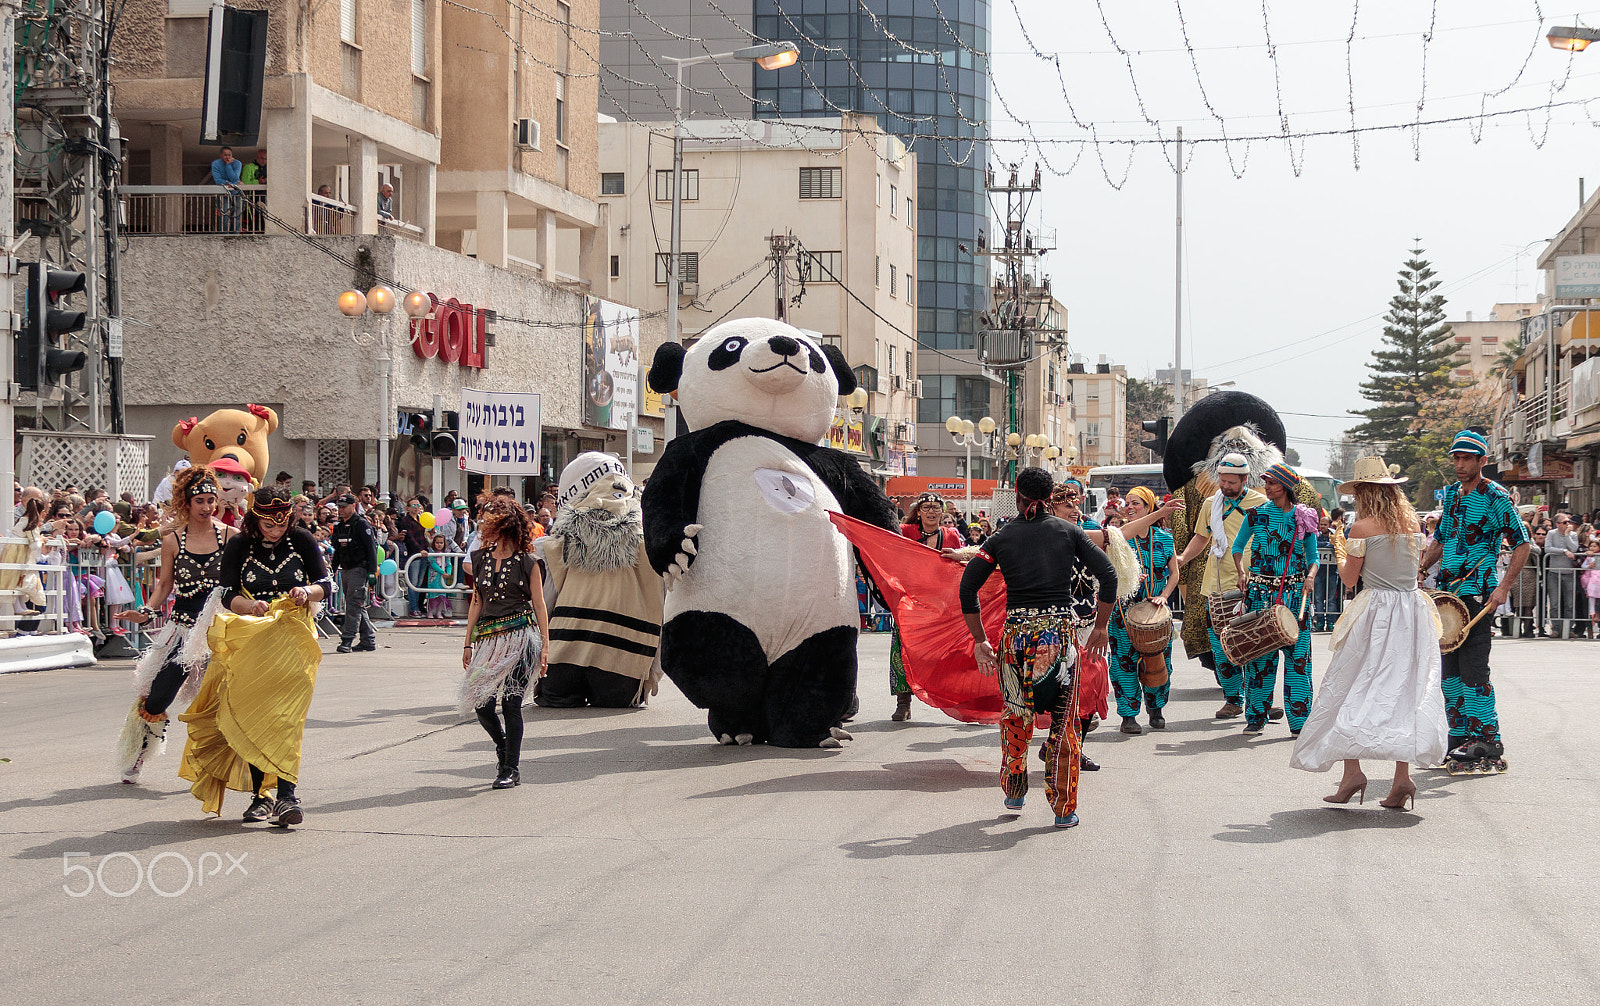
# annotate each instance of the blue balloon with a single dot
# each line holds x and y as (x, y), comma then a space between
(388, 567)
(104, 522)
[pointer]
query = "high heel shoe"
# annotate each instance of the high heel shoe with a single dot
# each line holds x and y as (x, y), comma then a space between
(1404, 796)
(1344, 793)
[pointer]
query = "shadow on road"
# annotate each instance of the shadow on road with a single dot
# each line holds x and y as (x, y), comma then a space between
(941, 776)
(974, 836)
(85, 794)
(1313, 822)
(160, 834)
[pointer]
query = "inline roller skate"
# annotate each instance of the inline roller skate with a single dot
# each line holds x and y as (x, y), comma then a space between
(1478, 757)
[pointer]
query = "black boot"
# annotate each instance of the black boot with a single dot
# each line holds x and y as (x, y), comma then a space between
(507, 778)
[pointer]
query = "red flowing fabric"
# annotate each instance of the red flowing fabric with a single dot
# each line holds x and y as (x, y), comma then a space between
(923, 590)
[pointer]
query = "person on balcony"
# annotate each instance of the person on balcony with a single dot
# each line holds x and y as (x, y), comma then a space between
(386, 201)
(226, 171)
(255, 173)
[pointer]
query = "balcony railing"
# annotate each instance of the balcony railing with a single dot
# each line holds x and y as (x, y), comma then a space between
(330, 216)
(165, 210)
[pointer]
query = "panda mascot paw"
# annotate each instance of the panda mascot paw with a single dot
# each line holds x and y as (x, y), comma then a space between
(761, 616)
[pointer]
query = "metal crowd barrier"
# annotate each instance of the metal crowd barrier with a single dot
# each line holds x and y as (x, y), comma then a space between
(52, 579)
(415, 573)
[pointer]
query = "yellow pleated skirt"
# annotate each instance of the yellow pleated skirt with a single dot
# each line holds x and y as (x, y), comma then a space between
(252, 708)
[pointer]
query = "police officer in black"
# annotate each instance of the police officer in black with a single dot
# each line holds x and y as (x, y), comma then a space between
(355, 557)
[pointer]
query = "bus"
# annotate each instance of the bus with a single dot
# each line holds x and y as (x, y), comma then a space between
(1125, 477)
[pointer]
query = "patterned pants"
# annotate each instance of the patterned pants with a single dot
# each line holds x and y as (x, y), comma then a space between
(1125, 663)
(1230, 677)
(1022, 661)
(897, 668)
(1468, 695)
(1261, 675)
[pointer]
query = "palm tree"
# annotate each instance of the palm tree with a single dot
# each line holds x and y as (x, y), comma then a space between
(1506, 361)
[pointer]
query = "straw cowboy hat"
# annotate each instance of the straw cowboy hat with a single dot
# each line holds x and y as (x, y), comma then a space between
(1372, 472)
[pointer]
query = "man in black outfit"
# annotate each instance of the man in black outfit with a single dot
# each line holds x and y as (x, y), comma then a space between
(355, 557)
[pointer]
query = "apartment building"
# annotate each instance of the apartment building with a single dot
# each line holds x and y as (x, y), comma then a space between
(841, 197)
(1099, 392)
(448, 148)
(1477, 342)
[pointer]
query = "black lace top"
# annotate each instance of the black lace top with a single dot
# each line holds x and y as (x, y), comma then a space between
(262, 572)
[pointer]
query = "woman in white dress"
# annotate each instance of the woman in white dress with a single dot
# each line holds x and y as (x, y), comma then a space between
(1380, 697)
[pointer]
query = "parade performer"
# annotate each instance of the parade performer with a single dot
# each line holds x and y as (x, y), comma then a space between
(1476, 513)
(761, 618)
(606, 622)
(1239, 460)
(1380, 697)
(1153, 549)
(247, 724)
(1282, 563)
(1036, 554)
(172, 669)
(508, 631)
(922, 524)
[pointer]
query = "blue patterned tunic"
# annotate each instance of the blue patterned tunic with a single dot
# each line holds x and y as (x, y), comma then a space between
(1469, 533)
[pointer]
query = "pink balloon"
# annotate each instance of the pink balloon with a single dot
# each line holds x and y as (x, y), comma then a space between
(441, 516)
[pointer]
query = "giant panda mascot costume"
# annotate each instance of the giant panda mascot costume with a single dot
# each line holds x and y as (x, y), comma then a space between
(761, 614)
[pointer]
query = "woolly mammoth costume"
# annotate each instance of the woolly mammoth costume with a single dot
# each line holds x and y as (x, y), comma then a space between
(761, 612)
(1220, 423)
(605, 623)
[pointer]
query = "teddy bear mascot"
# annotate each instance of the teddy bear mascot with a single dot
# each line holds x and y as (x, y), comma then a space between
(761, 613)
(605, 622)
(233, 444)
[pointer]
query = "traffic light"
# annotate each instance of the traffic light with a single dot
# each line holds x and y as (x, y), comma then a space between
(1157, 428)
(421, 426)
(444, 438)
(39, 360)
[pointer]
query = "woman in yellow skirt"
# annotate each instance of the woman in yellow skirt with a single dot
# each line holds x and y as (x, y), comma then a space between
(247, 723)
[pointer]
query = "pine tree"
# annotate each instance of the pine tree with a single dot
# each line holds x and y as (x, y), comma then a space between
(1413, 363)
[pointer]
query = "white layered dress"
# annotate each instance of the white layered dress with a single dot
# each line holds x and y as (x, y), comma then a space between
(1380, 697)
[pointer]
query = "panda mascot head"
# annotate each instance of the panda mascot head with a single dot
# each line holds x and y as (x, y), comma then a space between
(759, 372)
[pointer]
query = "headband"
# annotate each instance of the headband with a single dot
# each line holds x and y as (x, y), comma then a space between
(272, 506)
(1470, 442)
(201, 487)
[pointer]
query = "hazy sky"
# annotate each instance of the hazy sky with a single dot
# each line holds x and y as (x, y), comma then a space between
(1295, 269)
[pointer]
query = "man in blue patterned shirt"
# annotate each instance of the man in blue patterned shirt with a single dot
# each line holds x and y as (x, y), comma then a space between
(1476, 514)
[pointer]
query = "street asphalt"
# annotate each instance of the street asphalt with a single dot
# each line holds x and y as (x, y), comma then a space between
(639, 862)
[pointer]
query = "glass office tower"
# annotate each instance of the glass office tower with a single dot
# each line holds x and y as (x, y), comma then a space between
(928, 84)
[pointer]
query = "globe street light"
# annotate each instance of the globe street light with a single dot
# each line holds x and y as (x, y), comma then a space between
(960, 430)
(380, 300)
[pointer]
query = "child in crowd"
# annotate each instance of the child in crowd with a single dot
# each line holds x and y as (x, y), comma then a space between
(437, 573)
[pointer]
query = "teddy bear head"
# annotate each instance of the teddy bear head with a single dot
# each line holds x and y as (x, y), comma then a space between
(238, 436)
(759, 372)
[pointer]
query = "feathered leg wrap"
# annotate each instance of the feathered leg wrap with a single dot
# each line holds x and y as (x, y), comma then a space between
(142, 736)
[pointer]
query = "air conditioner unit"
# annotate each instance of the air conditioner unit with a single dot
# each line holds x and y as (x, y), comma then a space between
(896, 382)
(1519, 428)
(916, 389)
(528, 134)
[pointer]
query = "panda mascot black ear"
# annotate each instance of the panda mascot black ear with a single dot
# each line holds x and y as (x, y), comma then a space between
(666, 369)
(841, 369)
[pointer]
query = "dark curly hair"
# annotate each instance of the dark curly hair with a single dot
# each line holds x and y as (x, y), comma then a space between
(175, 511)
(269, 496)
(504, 517)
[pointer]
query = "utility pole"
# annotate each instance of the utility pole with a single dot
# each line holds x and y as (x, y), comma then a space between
(782, 245)
(1177, 307)
(8, 243)
(1015, 333)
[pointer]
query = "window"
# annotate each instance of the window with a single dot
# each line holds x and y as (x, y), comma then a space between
(561, 108)
(1092, 429)
(821, 183)
(877, 270)
(611, 183)
(946, 395)
(419, 37)
(893, 196)
(1490, 350)
(836, 341)
(910, 360)
(691, 185)
(908, 211)
(347, 21)
(688, 267)
(910, 285)
(616, 266)
(877, 190)
(822, 266)
(893, 290)
(188, 8)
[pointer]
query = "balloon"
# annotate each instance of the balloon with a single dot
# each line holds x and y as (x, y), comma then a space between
(441, 516)
(381, 555)
(387, 568)
(426, 520)
(104, 522)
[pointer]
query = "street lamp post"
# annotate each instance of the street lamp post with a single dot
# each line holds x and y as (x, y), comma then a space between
(380, 300)
(961, 431)
(1574, 39)
(772, 56)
